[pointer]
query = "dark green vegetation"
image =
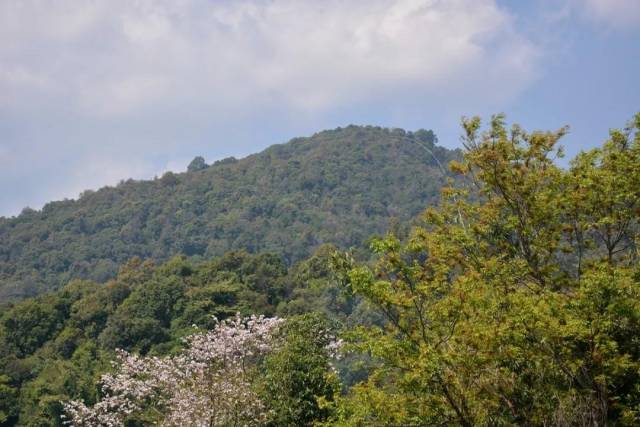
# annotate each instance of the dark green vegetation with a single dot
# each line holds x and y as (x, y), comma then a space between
(55, 346)
(297, 380)
(339, 187)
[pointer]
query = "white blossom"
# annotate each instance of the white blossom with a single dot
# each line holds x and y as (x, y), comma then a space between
(209, 384)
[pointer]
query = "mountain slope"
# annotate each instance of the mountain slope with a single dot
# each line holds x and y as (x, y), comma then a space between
(338, 186)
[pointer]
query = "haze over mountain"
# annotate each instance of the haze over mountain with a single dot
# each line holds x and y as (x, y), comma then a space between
(338, 186)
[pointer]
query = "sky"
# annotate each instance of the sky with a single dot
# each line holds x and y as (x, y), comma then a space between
(93, 92)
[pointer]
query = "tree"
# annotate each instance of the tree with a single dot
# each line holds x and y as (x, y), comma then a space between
(8, 400)
(197, 164)
(515, 303)
(299, 383)
(211, 383)
(30, 323)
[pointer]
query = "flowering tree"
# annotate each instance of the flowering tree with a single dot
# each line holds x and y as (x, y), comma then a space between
(209, 384)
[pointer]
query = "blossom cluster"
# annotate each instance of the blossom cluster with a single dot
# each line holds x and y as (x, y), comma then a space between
(209, 384)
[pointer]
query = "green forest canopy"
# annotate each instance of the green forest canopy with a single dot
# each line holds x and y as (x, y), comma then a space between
(515, 301)
(339, 186)
(55, 346)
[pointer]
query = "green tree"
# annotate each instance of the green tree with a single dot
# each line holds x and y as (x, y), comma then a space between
(31, 323)
(197, 164)
(8, 400)
(519, 304)
(299, 384)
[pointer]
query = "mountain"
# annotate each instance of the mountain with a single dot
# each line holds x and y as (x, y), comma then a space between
(338, 186)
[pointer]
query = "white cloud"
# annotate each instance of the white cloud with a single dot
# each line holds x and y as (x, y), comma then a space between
(120, 79)
(118, 57)
(615, 14)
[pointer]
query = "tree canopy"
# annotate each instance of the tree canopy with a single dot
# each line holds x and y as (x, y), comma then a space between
(515, 300)
(518, 306)
(339, 186)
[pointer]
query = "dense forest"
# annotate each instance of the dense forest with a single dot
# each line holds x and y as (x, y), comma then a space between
(55, 346)
(339, 186)
(513, 300)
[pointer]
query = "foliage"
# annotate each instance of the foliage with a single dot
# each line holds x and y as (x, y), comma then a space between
(338, 186)
(56, 346)
(520, 307)
(299, 383)
(515, 302)
(197, 164)
(211, 383)
(251, 371)
(8, 397)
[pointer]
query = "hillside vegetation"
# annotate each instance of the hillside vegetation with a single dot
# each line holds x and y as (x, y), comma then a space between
(54, 347)
(339, 186)
(514, 301)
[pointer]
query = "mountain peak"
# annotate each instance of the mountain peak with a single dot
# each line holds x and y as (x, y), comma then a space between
(337, 186)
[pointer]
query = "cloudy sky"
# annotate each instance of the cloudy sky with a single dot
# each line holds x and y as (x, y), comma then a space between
(92, 92)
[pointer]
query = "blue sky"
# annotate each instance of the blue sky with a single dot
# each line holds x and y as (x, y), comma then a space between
(95, 92)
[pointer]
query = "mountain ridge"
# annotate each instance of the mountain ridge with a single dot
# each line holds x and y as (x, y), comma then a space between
(337, 186)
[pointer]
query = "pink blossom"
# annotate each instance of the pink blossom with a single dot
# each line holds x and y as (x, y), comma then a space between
(211, 383)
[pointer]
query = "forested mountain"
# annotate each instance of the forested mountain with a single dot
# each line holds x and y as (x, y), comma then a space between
(514, 301)
(339, 186)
